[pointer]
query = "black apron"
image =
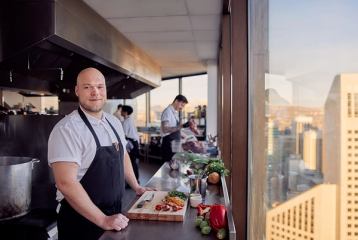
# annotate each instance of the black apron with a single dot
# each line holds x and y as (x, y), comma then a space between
(167, 152)
(104, 184)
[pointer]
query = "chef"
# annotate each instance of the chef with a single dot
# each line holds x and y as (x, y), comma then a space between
(170, 125)
(86, 151)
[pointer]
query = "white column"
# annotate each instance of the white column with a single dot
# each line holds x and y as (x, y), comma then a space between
(211, 112)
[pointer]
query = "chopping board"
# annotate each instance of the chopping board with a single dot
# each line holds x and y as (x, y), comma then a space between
(148, 212)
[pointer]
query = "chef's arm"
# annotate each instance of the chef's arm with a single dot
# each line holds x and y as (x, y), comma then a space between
(65, 174)
(130, 176)
(166, 129)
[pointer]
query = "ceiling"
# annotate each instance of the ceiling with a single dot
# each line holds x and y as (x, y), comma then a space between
(181, 35)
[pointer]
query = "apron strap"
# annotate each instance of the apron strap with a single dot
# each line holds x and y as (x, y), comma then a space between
(84, 118)
(115, 132)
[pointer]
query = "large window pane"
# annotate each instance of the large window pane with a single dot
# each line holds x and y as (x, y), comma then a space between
(160, 98)
(195, 89)
(311, 92)
(140, 110)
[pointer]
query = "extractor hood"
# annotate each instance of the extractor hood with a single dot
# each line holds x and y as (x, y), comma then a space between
(45, 43)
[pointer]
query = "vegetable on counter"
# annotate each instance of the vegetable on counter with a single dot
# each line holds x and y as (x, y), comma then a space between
(203, 209)
(216, 221)
(214, 178)
(215, 169)
(221, 234)
(218, 167)
(177, 194)
(198, 220)
(204, 223)
(206, 230)
(218, 217)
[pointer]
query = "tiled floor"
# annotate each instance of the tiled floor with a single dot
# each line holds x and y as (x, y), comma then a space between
(146, 171)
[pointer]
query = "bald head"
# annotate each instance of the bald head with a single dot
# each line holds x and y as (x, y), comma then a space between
(90, 73)
(91, 91)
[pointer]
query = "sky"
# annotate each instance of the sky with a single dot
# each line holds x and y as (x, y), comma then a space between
(310, 42)
(194, 88)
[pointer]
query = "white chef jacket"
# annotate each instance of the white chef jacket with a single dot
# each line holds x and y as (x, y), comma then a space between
(130, 131)
(171, 116)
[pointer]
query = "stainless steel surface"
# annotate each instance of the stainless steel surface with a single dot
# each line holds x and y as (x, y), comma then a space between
(195, 183)
(230, 219)
(77, 23)
(168, 180)
(15, 186)
(50, 41)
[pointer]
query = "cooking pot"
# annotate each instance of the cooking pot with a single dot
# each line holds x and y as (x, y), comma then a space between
(15, 186)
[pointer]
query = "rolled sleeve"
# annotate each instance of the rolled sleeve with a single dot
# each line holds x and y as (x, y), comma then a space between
(166, 116)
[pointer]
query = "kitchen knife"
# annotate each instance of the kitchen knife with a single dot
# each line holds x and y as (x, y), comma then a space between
(149, 197)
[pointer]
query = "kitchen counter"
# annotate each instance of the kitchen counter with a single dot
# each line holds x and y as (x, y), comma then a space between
(168, 180)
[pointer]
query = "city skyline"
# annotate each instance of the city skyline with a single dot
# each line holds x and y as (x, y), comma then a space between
(339, 164)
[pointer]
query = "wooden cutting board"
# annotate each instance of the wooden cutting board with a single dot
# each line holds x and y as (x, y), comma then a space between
(148, 212)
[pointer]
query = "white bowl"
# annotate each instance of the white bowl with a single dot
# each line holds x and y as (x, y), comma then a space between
(195, 200)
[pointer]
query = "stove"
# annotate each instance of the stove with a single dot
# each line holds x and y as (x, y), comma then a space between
(38, 224)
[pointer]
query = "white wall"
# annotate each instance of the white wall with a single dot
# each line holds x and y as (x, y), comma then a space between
(211, 115)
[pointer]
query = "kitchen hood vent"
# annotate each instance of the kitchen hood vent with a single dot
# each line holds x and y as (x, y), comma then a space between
(45, 43)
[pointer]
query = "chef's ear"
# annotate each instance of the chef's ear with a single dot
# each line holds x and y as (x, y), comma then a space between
(76, 90)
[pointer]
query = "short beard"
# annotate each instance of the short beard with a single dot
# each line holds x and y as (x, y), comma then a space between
(91, 109)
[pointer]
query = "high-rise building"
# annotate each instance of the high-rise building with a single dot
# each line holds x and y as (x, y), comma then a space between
(340, 169)
(319, 151)
(310, 149)
(272, 135)
(310, 215)
(300, 124)
(276, 191)
(340, 150)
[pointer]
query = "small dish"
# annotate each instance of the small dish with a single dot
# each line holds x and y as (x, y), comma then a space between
(195, 199)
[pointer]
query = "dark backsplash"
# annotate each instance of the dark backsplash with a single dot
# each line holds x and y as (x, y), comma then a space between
(27, 136)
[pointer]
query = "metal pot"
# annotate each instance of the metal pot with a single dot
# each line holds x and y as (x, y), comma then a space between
(15, 186)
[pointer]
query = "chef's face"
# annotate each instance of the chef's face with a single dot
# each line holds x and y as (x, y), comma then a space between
(178, 105)
(91, 90)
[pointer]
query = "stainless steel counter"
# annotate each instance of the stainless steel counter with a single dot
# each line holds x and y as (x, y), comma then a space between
(168, 180)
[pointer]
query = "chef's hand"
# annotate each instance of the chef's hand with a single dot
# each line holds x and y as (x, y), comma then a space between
(140, 190)
(115, 222)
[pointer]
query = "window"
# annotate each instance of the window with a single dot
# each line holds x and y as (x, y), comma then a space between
(195, 89)
(311, 100)
(141, 110)
(160, 98)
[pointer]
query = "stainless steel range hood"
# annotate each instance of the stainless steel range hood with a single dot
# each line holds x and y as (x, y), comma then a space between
(45, 43)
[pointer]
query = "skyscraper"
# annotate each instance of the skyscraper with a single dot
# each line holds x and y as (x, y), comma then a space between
(310, 215)
(310, 149)
(337, 202)
(340, 150)
(299, 125)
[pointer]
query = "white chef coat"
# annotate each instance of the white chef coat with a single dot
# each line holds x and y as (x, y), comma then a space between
(130, 131)
(171, 116)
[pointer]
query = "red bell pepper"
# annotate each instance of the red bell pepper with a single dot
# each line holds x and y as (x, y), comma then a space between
(218, 218)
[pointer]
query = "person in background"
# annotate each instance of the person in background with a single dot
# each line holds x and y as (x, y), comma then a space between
(86, 151)
(170, 126)
(188, 135)
(193, 126)
(130, 131)
(118, 112)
